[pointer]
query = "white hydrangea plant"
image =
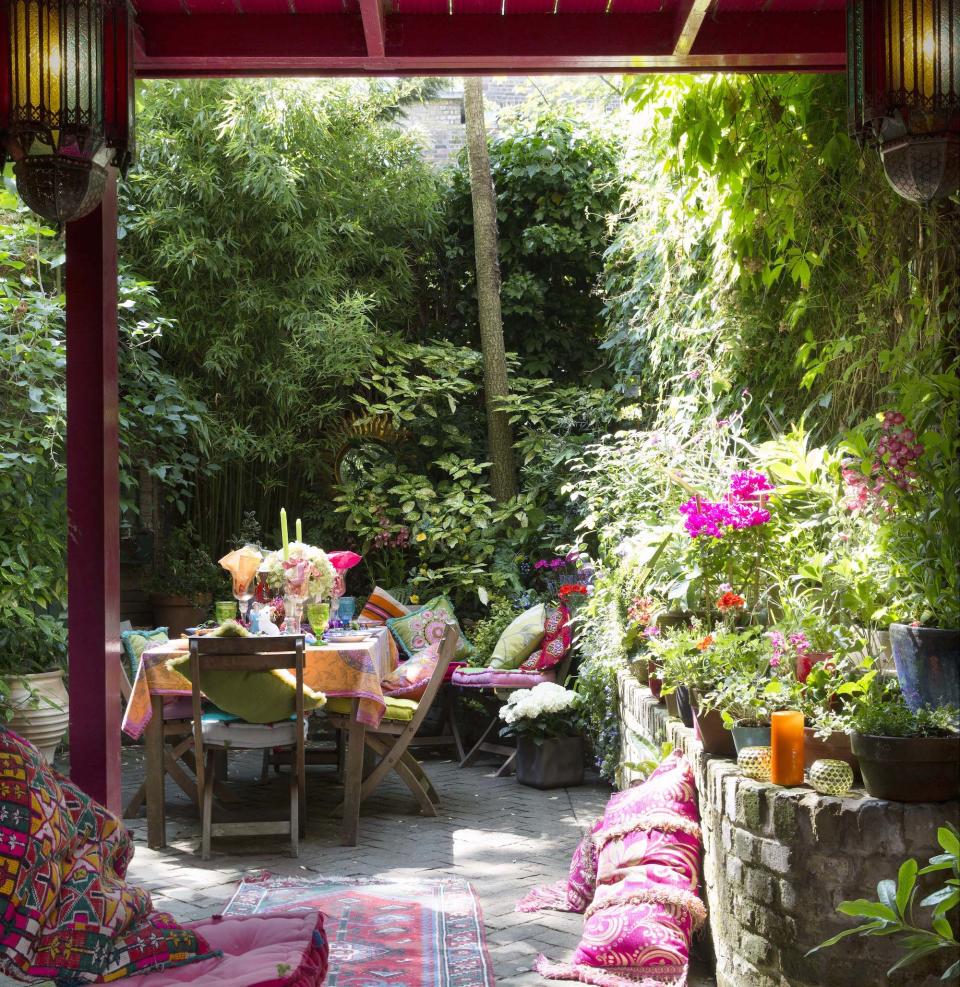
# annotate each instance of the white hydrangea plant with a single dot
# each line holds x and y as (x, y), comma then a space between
(547, 710)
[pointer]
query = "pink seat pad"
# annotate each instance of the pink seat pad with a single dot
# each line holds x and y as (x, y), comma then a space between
(284, 949)
(498, 678)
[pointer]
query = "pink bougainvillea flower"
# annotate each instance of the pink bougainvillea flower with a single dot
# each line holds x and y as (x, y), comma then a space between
(341, 561)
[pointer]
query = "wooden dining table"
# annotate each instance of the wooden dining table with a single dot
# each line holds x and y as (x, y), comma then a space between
(340, 669)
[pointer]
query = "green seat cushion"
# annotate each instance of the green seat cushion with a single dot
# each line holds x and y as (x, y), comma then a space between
(136, 642)
(424, 628)
(257, 697)
(520, 639)
(397, 709)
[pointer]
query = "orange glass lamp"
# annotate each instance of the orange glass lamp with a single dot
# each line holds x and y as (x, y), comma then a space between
(786, 743)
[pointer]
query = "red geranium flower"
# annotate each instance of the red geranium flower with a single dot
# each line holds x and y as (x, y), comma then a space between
(730, 601)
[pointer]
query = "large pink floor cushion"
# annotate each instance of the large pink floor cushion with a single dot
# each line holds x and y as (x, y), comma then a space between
(670, 789)
(284, 949)
(576, 892)
(499, 678)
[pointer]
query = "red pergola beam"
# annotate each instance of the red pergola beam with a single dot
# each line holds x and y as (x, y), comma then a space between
(374, 32)
(417, 44)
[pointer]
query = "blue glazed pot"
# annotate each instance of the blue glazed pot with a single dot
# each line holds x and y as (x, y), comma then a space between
(928, 664)
(753, 736)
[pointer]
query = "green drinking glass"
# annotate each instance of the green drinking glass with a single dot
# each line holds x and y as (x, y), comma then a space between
(318, 616)
(225, 610)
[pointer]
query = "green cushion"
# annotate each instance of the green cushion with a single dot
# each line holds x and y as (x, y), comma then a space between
(257, 697)
(424, 627)
(136, 642)
(397, 709)
(521, 638)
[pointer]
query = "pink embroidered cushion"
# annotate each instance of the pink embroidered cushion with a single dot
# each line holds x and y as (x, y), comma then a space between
(410, 678)
(556, 641)
(672, 857)
(670, 790)
(281, 949)
(582, 879)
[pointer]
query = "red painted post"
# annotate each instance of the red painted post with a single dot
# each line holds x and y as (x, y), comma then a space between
(93, 501)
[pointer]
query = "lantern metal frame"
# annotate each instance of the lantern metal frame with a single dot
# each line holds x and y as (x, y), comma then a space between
(66, 99)
(903, 79)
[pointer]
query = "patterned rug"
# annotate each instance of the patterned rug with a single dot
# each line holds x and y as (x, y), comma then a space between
(413, 933)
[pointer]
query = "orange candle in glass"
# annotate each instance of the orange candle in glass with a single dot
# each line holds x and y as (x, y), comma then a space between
(786, 743)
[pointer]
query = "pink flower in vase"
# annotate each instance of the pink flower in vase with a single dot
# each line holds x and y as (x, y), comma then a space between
(296, 574)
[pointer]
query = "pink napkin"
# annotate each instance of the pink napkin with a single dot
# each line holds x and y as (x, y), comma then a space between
(341, 561)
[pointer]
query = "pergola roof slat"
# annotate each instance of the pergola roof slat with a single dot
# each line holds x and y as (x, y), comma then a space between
(457, 37)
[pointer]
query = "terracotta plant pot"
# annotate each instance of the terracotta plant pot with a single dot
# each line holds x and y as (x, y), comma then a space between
(655, 686)
(176, 613)
(750, 734)
(928, 665)
(714, 736)
(43, 718)
(555, 763)
(672, 708)
(836, 747)
(909, 769)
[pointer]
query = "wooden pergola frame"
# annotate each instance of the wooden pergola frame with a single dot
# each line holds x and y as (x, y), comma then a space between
(337, 38)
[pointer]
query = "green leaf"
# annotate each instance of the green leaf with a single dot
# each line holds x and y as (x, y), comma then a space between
(861, 908)
(906, 884)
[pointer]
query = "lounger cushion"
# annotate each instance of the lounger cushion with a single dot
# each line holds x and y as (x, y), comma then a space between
(281, 949)
(500, 678)
(224, 730)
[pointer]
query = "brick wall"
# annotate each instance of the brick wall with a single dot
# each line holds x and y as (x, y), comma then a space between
(777, 861)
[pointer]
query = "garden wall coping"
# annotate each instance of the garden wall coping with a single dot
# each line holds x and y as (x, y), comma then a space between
(777, 862)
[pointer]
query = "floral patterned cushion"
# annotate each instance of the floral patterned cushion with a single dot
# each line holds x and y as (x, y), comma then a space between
(424, 628)
(556, 641)
(410, 678)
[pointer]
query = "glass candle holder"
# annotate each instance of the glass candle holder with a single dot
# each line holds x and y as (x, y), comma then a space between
(786, 748)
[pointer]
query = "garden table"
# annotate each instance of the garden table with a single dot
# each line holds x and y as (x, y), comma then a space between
(350, 669)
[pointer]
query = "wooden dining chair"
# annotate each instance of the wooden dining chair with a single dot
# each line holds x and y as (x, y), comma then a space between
(390, 741)
(215, 732)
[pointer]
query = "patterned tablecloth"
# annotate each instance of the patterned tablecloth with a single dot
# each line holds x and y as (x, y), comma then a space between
(346, 669)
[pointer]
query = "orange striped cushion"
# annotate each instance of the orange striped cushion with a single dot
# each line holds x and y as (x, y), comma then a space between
(380, 605)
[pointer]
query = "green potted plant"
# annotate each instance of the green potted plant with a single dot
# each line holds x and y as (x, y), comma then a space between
(33, 696)
(907, 481)
(182, 581)
(907, 755)
(677, 651)
(548, 725)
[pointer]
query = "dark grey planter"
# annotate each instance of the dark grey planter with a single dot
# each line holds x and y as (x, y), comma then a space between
(556, 763)
(928, 664)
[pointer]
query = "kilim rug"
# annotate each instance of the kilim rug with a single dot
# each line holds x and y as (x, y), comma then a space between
(411, 933)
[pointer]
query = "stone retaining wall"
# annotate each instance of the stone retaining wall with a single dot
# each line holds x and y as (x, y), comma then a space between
(777, 861)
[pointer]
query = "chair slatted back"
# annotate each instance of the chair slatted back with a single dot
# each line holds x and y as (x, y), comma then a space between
(242, 654)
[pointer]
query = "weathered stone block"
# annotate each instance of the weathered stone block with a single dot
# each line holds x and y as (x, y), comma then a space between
(748, 812)
(776, 856)
(745, 845)
(759, 885)
(756, 950)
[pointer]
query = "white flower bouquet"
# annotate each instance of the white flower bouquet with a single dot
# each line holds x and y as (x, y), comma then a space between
(319, 575)
(543, 712)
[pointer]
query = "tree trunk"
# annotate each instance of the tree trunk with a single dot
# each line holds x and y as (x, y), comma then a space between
(503, 473)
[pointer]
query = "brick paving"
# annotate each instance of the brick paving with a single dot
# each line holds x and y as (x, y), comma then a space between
(499, 835)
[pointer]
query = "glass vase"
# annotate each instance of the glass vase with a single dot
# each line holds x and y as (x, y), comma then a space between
(293, 609)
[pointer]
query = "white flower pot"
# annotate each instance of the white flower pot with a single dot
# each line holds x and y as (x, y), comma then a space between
(42, 719)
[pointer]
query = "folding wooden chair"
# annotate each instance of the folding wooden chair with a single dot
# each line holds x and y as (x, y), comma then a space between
(214, 733)
(483, 745)
(179, 730)
(390, 742)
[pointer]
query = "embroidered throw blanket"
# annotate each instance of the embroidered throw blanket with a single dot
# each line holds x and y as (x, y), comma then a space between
(68, 914)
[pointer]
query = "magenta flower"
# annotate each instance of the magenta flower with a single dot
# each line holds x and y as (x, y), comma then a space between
(651, 631)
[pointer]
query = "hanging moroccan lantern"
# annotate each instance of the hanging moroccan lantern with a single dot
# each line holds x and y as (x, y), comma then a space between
(903, 78)
(66, 100)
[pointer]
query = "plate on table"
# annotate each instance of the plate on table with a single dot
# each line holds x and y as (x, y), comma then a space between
(346, 637)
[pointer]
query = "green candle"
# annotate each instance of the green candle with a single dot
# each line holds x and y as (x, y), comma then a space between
(283, 534)
(299, 530)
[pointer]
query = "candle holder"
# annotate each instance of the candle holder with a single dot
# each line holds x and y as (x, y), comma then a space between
(786, 748)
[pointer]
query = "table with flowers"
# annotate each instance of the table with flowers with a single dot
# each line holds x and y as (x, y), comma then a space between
(350, 669)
